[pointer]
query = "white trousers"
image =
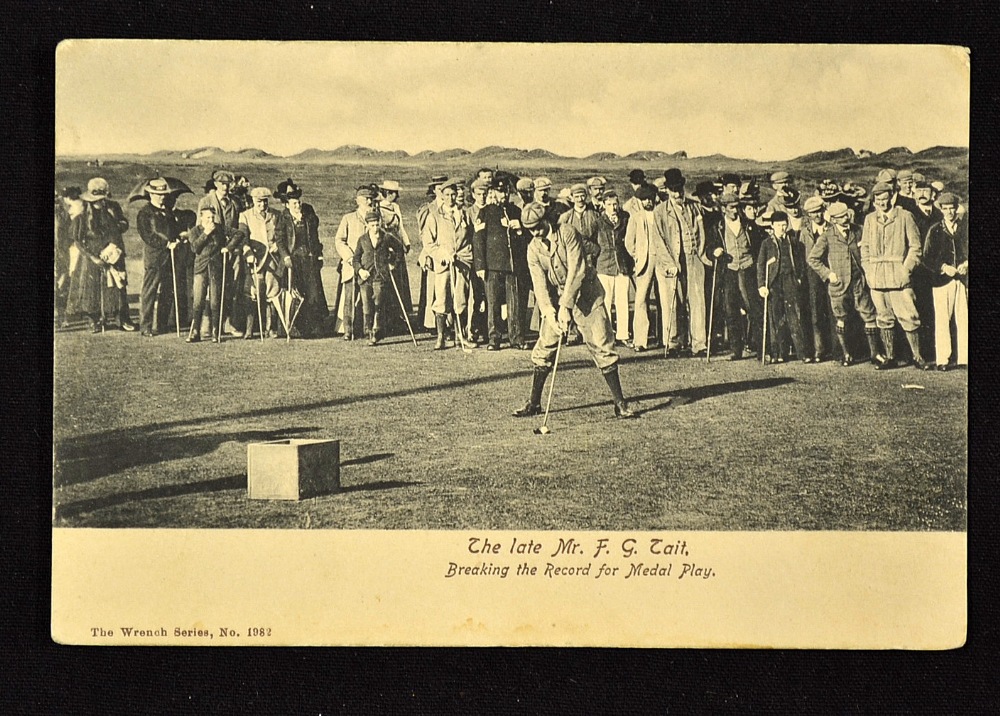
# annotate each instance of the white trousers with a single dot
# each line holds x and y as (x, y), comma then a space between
(666, 285)
(616, 294)
(951, 302)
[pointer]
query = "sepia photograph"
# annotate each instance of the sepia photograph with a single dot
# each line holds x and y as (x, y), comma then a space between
(383, 289)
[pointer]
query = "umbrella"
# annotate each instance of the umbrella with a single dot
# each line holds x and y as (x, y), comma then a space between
(176, 186)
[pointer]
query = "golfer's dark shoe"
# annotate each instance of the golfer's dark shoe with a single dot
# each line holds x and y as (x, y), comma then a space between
(372, 339)
(215, 337)
(528, 410)
(943, 367)
(147, 334)
(493, 346)
(640, 349)
(193, 337)
(348, 337)
(737, 355)
(882, 363)
(921, 364)
(623, 412)
(847, 360)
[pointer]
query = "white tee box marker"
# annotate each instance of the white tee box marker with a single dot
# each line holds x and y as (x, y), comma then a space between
(292, 469)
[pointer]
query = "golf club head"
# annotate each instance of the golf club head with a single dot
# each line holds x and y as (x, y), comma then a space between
(543, 430)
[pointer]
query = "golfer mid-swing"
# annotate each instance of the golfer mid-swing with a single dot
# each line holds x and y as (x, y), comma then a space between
(560, 275)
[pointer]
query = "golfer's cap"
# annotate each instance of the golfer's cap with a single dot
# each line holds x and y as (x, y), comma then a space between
(779, 177)
(525, 184)
(371, 216)
(543, 183)
(837, 208)
(260, 192)
(532, 216)
(480, 185)
(886, 175)
(578, 189)
(904, 174)
(882, 188)
(814, 203)
(223, 177)
(596, 181)
(948, 199)
(729, 199)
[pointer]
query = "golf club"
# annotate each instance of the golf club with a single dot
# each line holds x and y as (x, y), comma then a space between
(543, 429)
(711, 314)
(401, 309)
(222, 297)
(177, 306)
(458, 321)
(767, 280)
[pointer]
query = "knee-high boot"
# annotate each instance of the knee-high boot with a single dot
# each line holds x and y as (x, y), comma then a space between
(889, 341)
(441, 323)
(614, 383)
(913, 338)
(846, 358)
(534, 404)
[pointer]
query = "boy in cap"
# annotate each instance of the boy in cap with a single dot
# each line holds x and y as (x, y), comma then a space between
(375, 257)
(836, 258)
(208, 239)
(946, 256)
(614, 264)
(780, 277)
(560, 277)
(890, 250)
(352, 228)
(158, 230)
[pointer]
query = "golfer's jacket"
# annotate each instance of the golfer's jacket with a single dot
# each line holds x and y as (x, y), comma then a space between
(559, 271)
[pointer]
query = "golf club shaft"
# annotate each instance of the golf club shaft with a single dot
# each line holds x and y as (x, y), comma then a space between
(711, 314)
(222, 297)
(177, 306)
(552, 385)
(402, 310)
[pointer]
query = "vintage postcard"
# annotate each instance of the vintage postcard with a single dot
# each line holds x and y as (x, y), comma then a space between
(365, 343)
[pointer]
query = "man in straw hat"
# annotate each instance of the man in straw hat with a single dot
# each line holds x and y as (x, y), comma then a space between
(158, 231)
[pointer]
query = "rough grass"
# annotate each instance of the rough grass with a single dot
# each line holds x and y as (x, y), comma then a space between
(153, 433)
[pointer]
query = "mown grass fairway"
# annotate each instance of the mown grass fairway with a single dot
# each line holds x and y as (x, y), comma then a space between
(153, 433)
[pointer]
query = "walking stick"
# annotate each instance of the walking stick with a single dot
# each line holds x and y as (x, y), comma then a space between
(287, 318)
(177, 306)
(767, 278)
(222, 297)
(260, 309)
(670, 317)
(711, 313)
(104, 281)
(401, 309)
(458, 322)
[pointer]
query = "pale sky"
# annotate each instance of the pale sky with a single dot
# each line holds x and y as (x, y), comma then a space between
(746, 101)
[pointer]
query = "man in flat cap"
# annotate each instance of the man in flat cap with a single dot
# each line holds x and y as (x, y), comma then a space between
(500, 258)
(159, 233)
(731, 244)
(584, 218)
(906, 182)
(890, 250)
(595, 188)
(890, 177)
(525, 190)
(447, 239)
(836, 258)
(780, 183)
(227, 212)
(424, 262)
(265, 265)
(100, 271)
(561, 278)
(646, 242)
(820, 315)
(946, 256)
(684, 230)
(352, 227)
(781, 268)
(614, 264)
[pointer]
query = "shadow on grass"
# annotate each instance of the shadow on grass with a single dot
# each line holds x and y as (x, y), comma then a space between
(380, 485)
(686, 396)
(75, 509)
(366, 459)
(93, 456)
